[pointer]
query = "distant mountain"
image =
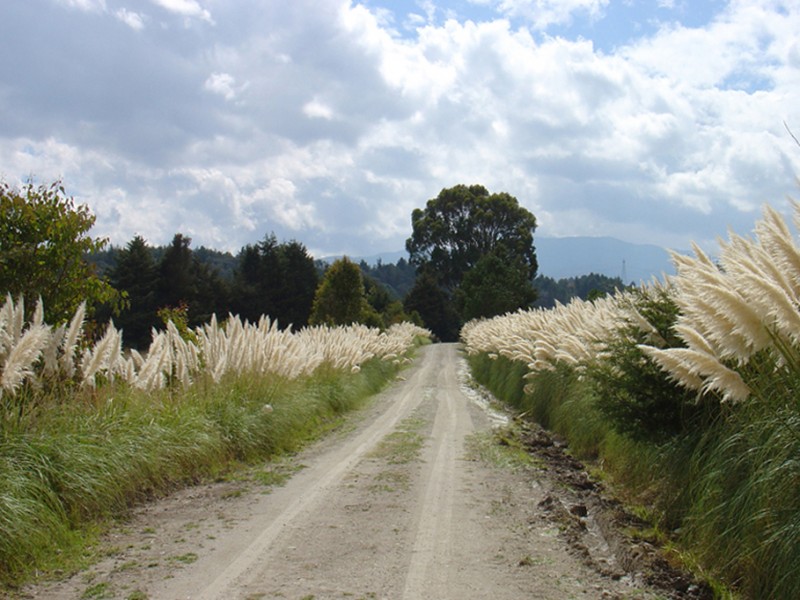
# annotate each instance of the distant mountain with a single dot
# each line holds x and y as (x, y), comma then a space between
(385, 258)
(575, 256)
(564, 257)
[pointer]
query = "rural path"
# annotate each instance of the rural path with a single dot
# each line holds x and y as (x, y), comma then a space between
(401, 503)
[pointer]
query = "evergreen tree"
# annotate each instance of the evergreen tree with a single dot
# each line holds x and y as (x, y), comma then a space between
(135, 274)
(430, 301)
(183, 282)
(340, 298)
(176, 274)
(299, 282)
(278, 280)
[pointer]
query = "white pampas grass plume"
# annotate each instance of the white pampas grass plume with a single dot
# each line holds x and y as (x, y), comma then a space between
(699, 371)
(71, 340)
(6, 318)
(50, 353)
(17, 321)
(103, 357)
(38, 314)
(22, 358)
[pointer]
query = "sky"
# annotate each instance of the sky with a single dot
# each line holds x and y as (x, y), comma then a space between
(663, 122)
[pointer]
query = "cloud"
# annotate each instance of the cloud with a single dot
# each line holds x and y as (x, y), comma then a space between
(185, 8)
(131, 19)
(544, 13)
(223, 84)
(315, 109)
(85, 5)
(319, 121)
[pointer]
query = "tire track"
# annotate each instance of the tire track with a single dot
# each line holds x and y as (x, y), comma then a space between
(426, 576)
(217, 574)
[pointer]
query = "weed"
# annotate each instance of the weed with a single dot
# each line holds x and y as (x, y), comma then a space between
(98, 591)
(500, 447)
(403, 445)
(186, 559)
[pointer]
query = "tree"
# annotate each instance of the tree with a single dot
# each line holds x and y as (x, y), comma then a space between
(428, 300)
(279, 280)
(340, 298)
(454, 232)
(298, 284)
(43, 244)
(494, 286)
(464, 223)
(185, 282)
(135, 274)
(176, 276)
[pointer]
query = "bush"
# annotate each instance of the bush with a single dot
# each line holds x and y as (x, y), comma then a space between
(637, 396)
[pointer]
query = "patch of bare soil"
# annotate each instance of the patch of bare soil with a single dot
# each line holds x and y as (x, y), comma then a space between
(599, 528)
(396, 505)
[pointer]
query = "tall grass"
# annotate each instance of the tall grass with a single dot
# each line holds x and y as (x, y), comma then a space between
(87, 432)
(687, 392)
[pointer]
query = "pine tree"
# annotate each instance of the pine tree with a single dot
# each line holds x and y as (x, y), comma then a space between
(340, 298)
(135, 274)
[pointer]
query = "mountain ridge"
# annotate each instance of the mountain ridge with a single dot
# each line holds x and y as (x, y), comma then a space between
(574, 256)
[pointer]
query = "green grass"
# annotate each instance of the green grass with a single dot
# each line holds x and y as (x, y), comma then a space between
(726, 498)
(80, 460)
(403, 445)
(499, 447)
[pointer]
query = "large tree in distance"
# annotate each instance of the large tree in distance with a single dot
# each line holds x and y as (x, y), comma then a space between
(463, 224)
(478, 249)
(494, 286)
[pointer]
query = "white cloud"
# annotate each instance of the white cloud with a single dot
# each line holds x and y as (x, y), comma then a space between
(86, 5)
(131, 19)
(223, 84)
(544, 13)
(316, 109)
(278, 197)
(185, 8)
(335, 128)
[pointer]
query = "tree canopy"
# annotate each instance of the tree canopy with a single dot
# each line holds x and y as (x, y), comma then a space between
(44, 240)
(135, 273)
(275, 279)
(494, 286)
(474, 255)
(340, 298)
(464, 223)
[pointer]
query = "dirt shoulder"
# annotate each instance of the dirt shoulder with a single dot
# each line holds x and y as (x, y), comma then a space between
(397, 504)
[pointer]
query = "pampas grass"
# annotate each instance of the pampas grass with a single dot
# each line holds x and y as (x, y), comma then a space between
(108, 428)
(212, 351)
(727, 480)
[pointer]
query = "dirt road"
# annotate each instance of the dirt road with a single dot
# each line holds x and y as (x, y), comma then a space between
(398, 505)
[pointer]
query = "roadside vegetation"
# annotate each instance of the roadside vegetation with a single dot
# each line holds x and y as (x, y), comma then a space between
(88, 429)
(685, 393)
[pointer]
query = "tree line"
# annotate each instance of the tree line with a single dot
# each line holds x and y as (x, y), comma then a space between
(471, 255)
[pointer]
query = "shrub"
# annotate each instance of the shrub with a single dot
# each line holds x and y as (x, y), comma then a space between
(636, 395)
